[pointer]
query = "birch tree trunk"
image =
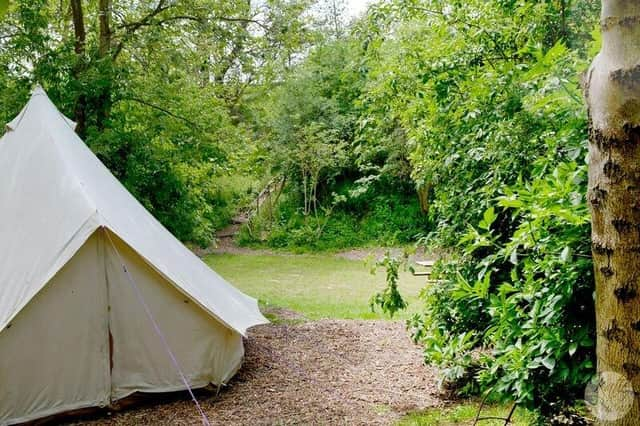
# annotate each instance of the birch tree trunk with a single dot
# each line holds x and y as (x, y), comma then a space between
(612, 89)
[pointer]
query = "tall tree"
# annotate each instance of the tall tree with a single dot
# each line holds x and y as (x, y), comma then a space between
(80, 46)
(104, 50)
(612, 89)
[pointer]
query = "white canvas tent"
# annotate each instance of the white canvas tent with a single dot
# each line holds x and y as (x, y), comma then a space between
(85, 271)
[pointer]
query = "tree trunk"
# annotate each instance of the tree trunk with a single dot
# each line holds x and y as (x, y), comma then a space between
(423, 197)
(104, 48)
(104, 102)
(612, 90)
(563, 20)
(80, 111)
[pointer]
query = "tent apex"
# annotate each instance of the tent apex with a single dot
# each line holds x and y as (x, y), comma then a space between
(38, 90)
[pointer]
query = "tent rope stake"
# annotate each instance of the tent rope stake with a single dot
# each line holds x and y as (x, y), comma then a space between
(156, 326)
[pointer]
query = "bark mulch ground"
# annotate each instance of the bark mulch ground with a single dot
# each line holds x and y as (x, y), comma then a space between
(346, 372)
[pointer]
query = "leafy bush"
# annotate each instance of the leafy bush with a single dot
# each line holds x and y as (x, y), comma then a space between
(383, 219)
(485, 95)
(528, 300)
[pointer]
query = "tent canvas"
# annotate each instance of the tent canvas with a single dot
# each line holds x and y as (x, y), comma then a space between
(73, 330)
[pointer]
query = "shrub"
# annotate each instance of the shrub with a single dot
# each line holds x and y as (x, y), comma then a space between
(527, 300)
(385, 219)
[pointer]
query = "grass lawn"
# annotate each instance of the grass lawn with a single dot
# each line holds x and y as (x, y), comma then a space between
(464, 414)
(317, 286)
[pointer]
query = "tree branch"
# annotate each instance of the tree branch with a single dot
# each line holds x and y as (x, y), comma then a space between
(133, 27)
(191, 18)
(240, 20)
(461, 21)
(161, 109)
(148, 20)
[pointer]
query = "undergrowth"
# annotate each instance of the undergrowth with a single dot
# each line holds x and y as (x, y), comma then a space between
(384, 220)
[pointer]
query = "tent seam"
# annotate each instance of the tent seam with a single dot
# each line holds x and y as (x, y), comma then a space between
(175, 284)
(50, 274)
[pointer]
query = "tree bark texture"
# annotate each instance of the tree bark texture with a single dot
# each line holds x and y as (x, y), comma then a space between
(423, 197)
(80, 34)
(104, 101)
(612, 90)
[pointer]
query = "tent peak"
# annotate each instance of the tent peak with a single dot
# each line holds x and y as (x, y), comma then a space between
(45, 105)
(38, 90)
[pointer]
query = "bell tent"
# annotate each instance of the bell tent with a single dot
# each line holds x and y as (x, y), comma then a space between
(97, 299)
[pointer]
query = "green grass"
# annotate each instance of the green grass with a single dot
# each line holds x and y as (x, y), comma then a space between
(464, 414)
(316, 286)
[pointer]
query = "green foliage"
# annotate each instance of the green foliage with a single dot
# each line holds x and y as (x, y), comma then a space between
(465, 413)
(527, 295)
(482, 99)
(311, 137)
(164, 97)
(538, 329)
(4, 7)
(379, 219)
(475, 107)
(456, 360)
(389, 300)
(308, 124)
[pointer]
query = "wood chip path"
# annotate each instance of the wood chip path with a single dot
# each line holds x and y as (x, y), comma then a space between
(328, 372)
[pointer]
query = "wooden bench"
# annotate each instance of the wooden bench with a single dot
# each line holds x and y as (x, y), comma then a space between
(428, 264)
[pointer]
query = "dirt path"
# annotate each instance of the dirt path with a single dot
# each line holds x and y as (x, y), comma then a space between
(329, 372)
